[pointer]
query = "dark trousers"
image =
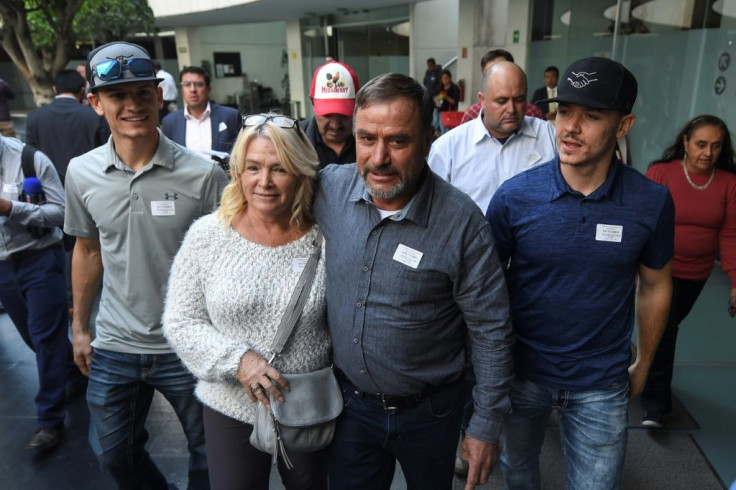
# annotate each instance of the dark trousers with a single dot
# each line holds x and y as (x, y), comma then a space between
(236, 465)
(657, 395)
(33, 291)
(370, 439)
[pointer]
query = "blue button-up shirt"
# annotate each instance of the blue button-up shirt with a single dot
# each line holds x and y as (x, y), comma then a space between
(404, 292)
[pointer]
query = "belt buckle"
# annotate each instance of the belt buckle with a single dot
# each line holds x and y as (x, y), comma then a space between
(386, 404)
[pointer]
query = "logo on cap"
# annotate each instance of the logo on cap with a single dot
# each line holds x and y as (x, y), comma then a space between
(582, 79)
(334, 85)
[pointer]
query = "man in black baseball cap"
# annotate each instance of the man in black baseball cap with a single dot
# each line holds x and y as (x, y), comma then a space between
(579, 231)
(129, 203)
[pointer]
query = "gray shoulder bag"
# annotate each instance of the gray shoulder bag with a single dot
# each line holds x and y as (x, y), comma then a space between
(305, 421)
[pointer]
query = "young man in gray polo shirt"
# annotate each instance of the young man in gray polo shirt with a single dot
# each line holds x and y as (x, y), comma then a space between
(130, 203)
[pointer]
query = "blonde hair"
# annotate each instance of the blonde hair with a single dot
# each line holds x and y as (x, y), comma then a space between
(296, 155)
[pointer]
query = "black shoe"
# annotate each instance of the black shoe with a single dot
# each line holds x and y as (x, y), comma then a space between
(652, 420)
(46, 437)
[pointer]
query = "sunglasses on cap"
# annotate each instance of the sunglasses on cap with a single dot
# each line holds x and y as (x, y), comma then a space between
(113, 69)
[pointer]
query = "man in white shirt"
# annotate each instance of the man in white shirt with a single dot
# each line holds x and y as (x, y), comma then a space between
(202, 125)
(479, 156)
(168, 85)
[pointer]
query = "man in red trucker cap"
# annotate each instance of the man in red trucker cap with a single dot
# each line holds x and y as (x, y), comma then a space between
(334, 85)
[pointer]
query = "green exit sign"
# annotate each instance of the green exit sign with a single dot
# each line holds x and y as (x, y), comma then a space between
(516, 36)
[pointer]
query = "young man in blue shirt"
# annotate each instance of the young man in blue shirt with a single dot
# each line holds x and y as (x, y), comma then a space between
(578, 234)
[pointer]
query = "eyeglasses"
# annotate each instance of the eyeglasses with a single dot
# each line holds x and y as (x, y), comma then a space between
(193, 84)
(113, 69)
(285, 122)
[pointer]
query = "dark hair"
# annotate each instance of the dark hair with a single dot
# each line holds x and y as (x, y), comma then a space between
(493, 54)
(554, 69)
(676, 151)
(431, 60)
(197, 71)
(448, 72)
(389, 87)
(156, 65)
(68, 82)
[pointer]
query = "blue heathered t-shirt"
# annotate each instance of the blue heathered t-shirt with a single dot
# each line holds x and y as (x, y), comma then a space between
(574, 261)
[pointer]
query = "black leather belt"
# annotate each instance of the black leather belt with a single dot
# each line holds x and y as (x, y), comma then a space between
(392, 402)
(16, 257)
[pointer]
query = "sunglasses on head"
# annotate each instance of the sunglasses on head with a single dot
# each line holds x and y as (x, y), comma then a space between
(113, 69)
(285, 122)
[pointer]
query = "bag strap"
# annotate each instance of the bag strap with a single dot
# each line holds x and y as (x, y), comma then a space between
(26, 161)
(298, 298)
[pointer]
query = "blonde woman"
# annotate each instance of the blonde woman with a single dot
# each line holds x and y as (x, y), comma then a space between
(230, 284)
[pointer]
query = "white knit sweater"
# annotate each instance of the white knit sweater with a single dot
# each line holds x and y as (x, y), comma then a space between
(227, 295)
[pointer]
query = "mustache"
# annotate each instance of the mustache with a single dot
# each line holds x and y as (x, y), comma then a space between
(568, 136)
(379, 170)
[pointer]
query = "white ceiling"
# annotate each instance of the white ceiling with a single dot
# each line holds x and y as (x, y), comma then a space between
(199, 14)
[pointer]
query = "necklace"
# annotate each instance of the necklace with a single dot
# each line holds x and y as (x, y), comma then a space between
(692, 184)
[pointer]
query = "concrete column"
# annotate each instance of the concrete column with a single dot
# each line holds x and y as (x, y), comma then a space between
(297, 90)
(183, 47)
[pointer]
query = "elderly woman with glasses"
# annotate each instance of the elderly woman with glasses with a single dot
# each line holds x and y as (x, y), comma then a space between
(699, 169)
(229, 287)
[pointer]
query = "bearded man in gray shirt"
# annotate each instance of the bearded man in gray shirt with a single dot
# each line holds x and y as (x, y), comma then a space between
(412, 271)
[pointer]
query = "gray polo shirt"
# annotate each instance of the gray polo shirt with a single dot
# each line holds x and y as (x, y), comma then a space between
(140, 219)
(404, 293)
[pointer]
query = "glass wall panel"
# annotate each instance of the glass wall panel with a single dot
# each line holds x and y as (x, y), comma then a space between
(682, 53)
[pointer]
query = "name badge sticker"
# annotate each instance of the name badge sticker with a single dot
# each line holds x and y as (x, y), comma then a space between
(222, 127)
(298, 264)
(9, 191)
(163, 208)
(609, 233)
(407, 256)
(533, 158)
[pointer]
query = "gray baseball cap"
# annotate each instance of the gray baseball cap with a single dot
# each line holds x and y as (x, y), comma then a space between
(119, 62)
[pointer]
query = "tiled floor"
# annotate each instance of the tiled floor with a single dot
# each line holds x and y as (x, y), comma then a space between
(705, 381)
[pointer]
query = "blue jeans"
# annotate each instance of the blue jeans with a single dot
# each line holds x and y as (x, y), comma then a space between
(593, 429)
(33, 292)
(119, 396)
(369, 440)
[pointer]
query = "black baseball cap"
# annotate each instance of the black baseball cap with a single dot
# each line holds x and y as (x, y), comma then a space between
(599, 83)
(134, 64)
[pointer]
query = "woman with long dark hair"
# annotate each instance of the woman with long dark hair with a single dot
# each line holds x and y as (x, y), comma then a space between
(700, 171)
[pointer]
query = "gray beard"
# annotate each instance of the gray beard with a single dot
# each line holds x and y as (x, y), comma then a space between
(388, 194)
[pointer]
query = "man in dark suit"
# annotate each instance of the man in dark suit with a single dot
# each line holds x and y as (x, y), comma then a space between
(201, 125)
(65, 128)
(551, 77)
